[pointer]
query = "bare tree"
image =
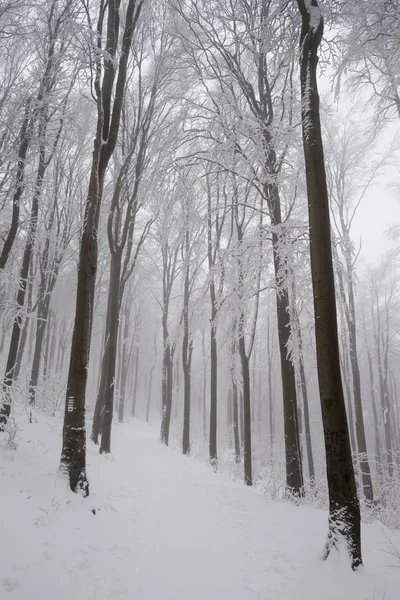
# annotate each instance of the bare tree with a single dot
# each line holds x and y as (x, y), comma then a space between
(344, 510)
(73, 454)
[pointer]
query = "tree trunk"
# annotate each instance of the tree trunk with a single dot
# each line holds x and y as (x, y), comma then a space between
(344, 510)
(113, 305)
(167, 377)
(376, 421)
(9, 377)
(24, 140)
(41, 323)
(235, 420)
(350, 316)
(303, 384)
(294, 472)
(25, 327)
(187, 348)
(213, 380)
(124, 365)
(135, 382)
(247, 452)
(73, 454)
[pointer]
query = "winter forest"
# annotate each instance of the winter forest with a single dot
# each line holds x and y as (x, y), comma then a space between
(200, 256)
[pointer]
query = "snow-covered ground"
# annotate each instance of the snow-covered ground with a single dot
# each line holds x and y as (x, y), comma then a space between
(166, 526)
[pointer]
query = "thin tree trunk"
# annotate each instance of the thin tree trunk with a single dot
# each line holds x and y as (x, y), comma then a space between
(187, 347)
(235, 411)
(41, 322)
(113, 318)
(24, 140)
(294, 472)
(25, 327)
(376, 421)
(9, 377)
(124, 365)
(349, 312)
(247, 452)
(135, 383)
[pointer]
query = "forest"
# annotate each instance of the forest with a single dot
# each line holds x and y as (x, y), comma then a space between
(186, 240)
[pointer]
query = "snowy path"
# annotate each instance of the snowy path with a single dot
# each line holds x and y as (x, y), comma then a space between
(165, 527)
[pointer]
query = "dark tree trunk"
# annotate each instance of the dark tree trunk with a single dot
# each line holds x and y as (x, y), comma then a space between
(124, 365)
(24, 140)
(9, 377)
(41, 323)
(294, 472)
(247, 452)
(235, 410)
(73, 454)
(167, 377)
(25, 327)
(204, 390)
(113, 318)
(303, 385)
(98, 414)
(187, 348)
(213, 380)
(135, 382)
(344, 510)
(270, 398)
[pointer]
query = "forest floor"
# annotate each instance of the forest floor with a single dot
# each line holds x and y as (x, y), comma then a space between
(165, 526)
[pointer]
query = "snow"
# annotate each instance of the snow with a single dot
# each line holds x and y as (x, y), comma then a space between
(165, 526)
(315, 14)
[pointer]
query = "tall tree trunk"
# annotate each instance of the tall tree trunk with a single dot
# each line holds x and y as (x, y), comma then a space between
(167, 379)
(41, 323)
(113, 305)
(124, 365)
(294, 472)
(25, 326)
(213, 453)
(24, 140)
(376, 421)
(307, 428)
(204, 389)
(247, 452)
(135, 381)
(235, 411)
(9, 377)
(303, 384)
(344, 509)
(270, 398)
(73, 454)
(350, 315)
(187, 348)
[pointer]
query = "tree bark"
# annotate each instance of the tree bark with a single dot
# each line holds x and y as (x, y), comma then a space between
(187, 347)
(73, 454)
(344, 510)
(24, 140)
(294, 472)
(9, 377)
(113, 319)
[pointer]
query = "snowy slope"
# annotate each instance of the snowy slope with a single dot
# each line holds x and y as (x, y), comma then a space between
(166, 527)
